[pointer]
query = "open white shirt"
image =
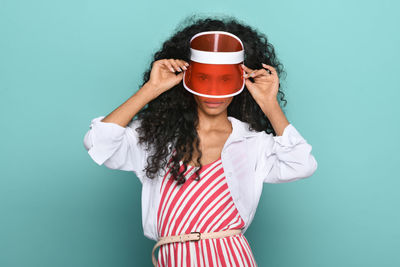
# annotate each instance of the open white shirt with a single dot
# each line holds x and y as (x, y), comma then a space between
(249, 159)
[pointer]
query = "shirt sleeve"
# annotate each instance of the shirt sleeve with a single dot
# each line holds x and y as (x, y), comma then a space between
(115, 146)
(285, 158)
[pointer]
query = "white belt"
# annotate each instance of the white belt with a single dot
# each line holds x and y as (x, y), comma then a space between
(193, 236)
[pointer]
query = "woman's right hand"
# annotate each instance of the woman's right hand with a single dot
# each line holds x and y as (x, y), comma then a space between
(162, 75)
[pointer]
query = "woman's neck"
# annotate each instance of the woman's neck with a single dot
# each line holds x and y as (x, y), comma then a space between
(210, 122)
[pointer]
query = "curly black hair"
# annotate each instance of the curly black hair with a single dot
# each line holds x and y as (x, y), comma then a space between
(172, 117)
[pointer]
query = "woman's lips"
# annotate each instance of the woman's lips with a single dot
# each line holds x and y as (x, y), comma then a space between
(213, 104)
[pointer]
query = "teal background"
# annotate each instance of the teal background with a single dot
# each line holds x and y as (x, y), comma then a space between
(62, 63)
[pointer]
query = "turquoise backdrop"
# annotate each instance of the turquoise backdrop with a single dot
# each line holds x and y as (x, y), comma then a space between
(62, 63)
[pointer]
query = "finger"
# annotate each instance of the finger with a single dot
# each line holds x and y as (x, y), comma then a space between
(175, 65)
(179, 76)
(256, 73)
(270, 68)
(266, 74)
(249, 73)
(262, 73)
(180, 64)
(183, 64)
(167, 63)
(249, 84)
(246, 68)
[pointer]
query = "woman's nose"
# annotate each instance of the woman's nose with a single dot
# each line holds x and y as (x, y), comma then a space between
(213, 87)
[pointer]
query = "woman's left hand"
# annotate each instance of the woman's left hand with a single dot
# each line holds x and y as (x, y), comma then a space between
(265, 87)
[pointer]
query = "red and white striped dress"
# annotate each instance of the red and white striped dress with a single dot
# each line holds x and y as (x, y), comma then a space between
(201, 206)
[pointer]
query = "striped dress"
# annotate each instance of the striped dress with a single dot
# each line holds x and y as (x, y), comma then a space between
(201, 206)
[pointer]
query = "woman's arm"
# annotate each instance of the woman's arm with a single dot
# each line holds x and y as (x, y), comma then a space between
(113, 140)
(287, 156)
(126, 111)
(275, 115)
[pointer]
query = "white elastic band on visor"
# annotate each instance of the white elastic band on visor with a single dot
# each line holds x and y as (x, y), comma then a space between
(216, 57)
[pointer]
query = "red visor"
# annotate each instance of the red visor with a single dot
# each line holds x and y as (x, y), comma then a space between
(214, 70)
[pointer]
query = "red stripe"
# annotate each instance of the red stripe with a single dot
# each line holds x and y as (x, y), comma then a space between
(227, 250)
(221, 254)
(219, 250)
(186, 245)
(240, 251)
(171, 183)
(209, 200)
(229, 243)
(211, 218)
(249, 250)
(190, 208)
(246, 257)
(197, 248)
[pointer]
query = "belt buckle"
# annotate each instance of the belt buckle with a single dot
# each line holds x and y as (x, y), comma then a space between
(197, 233)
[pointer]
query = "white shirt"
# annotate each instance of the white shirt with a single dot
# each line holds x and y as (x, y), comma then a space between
(249, 159)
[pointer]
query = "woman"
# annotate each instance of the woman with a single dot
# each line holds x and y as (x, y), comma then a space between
(202, 164)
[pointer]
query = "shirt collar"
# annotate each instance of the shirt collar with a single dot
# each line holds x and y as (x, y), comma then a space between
(240, 129)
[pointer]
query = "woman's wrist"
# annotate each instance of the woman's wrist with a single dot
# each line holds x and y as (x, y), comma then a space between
(275, 115)
(149, 91)
(270, 106)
